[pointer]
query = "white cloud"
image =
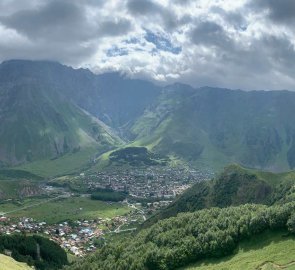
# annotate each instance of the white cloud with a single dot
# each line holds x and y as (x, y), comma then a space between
(235, 44)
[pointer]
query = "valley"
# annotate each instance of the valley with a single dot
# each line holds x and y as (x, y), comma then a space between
(126, 174)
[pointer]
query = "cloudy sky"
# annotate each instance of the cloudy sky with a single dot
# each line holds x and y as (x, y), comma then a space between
(246, 44)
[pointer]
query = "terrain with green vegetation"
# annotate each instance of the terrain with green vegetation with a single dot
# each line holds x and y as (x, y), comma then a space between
(25, 249)
(50, 117)
(213, 127)
(63, 209)
(236, 185)
(108, 195)
(17, 184)
(70, 163)
(37, 123)
(136, 156)
(268, 251)
(190, 237)
(8, 263)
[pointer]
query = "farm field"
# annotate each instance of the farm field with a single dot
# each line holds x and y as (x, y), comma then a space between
(268, 251)
(62, 209)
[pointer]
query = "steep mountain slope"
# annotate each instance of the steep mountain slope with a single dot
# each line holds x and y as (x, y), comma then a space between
(234, 186)
(115, 99)
(213, 127)
(37, 122)
(207, 127)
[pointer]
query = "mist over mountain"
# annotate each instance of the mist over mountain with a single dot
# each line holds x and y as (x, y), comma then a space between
(48, 109)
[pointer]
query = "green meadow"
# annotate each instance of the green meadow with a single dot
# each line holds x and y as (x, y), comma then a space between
(63, 209)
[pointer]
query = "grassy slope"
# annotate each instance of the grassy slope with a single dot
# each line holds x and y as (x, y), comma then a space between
(7, 263)
(69, 163)
(261, 252)
(13, 182)
(221, 127)
(65, 209)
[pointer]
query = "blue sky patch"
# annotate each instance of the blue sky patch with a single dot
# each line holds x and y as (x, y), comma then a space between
(116, 51)
(161, 42)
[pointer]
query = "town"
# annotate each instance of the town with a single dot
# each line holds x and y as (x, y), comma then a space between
(148, 191)
(151, 182)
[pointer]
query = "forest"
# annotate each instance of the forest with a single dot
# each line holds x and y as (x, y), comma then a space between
(25, 249)
(189, 237)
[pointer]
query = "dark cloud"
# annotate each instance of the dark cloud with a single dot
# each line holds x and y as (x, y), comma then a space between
(56, 19)
(247, 44)
(114, 28)
(150, 8)
(143, 7)
(63, 21)
(278, 10)
(233, 18)
(211, 34)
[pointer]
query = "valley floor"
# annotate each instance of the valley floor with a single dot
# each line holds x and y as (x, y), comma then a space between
(268, 251)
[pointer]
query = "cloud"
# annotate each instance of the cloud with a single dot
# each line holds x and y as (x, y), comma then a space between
(282, 11)
(210, 34)
(245, 44)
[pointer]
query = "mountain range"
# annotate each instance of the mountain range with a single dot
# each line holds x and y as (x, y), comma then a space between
(49, 110)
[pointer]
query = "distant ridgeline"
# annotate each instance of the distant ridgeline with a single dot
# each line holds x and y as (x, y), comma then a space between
(36, 251)
(51, 111)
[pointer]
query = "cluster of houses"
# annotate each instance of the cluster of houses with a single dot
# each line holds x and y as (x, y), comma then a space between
(75, 236)
(146, 183)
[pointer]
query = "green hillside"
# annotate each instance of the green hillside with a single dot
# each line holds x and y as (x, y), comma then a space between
(49, 110)
(8, 263)
(214, 127)
(37, 123)
(234, 186)
(192, 237)
(263, 252)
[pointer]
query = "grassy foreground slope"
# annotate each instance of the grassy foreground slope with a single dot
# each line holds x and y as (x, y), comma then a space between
(270, 250)
(7, 263)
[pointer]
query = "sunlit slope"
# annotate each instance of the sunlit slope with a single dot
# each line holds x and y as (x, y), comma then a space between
(37, 123)
(268, 251)
(7, 263)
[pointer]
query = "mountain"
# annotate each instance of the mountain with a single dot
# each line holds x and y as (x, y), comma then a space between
(213, 127)
(38, 121)
(48, 109)
(234, 186)
(111, 97)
